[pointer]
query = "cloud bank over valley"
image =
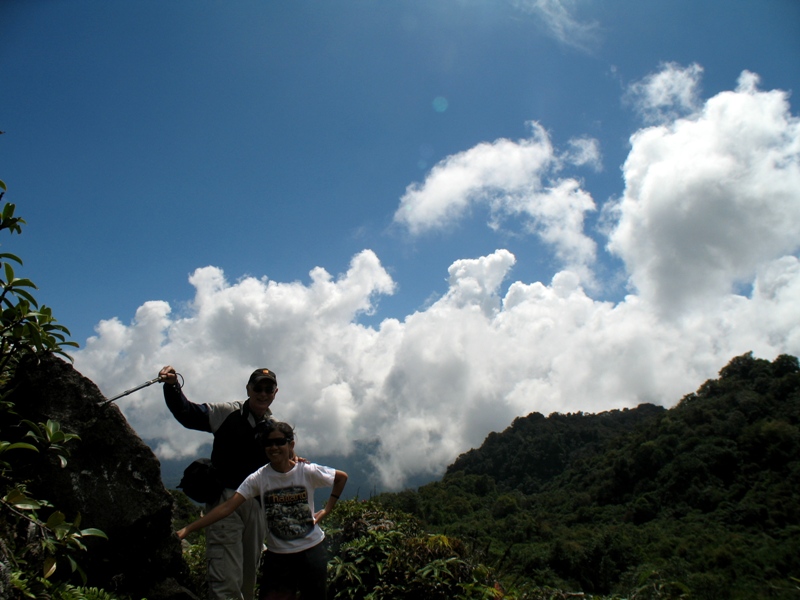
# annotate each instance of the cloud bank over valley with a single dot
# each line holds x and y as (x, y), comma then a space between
(705, 230)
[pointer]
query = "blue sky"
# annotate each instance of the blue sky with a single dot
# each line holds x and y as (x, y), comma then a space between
(427, 217)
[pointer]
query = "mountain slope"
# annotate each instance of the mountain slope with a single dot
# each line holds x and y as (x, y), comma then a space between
(701, 497)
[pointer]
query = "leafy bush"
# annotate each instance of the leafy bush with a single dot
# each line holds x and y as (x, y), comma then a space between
(383, 554)
(35, 537)
(380, 553)
(194, 546)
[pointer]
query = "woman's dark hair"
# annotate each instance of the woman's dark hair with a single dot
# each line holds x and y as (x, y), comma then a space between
(264, 428)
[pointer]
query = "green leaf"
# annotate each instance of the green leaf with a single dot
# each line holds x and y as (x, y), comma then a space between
(16, 446)
(9, 256)
(26, 295)
(49, 566)
(56, 519)
(20, 500)
(52, 428)
(3, 185)
(27, 504)
(14, 495)
(23, 282)
(34, 429)
(75, 542)
(94, 532)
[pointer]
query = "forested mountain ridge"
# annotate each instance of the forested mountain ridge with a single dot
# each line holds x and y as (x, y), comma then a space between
(701, 499)
(536, 449)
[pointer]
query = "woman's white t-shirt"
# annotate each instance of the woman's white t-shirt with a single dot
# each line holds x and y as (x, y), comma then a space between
(288, 503)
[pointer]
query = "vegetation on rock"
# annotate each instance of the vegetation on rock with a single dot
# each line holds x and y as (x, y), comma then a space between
(35, 537)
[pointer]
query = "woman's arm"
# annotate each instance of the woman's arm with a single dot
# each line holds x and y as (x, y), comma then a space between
(215, 514)
(339, 481)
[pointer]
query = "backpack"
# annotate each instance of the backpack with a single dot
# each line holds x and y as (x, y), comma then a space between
(200, 482)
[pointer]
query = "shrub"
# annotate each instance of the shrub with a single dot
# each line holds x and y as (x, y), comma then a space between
(36, 536)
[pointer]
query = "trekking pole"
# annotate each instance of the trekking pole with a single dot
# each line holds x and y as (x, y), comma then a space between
(138, 387)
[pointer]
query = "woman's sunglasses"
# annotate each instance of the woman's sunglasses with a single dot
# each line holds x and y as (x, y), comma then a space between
(276, 442)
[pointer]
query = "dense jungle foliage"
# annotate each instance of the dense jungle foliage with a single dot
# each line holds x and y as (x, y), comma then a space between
(379, 553)
(701, 499)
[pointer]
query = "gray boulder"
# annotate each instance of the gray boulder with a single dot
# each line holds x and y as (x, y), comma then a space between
(112, 479)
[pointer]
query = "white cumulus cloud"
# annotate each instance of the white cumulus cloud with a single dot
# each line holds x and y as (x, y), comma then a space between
(711, 197)
(667, 94)
(514, 179)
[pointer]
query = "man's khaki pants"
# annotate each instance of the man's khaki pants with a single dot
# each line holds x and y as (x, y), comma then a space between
(233, 551)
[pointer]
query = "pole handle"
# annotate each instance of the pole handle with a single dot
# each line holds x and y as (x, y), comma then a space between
(138, 387)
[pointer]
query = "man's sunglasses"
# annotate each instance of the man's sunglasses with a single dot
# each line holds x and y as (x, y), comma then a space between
(268, 389)
(276, 442)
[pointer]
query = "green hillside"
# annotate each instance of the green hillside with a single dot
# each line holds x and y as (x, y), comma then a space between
(702, 499)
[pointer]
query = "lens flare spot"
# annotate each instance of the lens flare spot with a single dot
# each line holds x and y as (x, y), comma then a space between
(440, 104)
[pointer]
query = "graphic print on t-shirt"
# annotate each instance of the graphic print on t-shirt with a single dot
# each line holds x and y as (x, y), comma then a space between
(288, 513)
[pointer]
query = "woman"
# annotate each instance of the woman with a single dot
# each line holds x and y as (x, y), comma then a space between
(296, 559)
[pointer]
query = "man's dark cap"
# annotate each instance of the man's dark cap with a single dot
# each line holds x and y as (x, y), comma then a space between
(261, 375)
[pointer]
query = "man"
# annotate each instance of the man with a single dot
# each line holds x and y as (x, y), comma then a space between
(233, 544)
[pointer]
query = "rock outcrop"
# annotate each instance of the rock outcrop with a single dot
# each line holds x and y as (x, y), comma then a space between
(112, 479)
